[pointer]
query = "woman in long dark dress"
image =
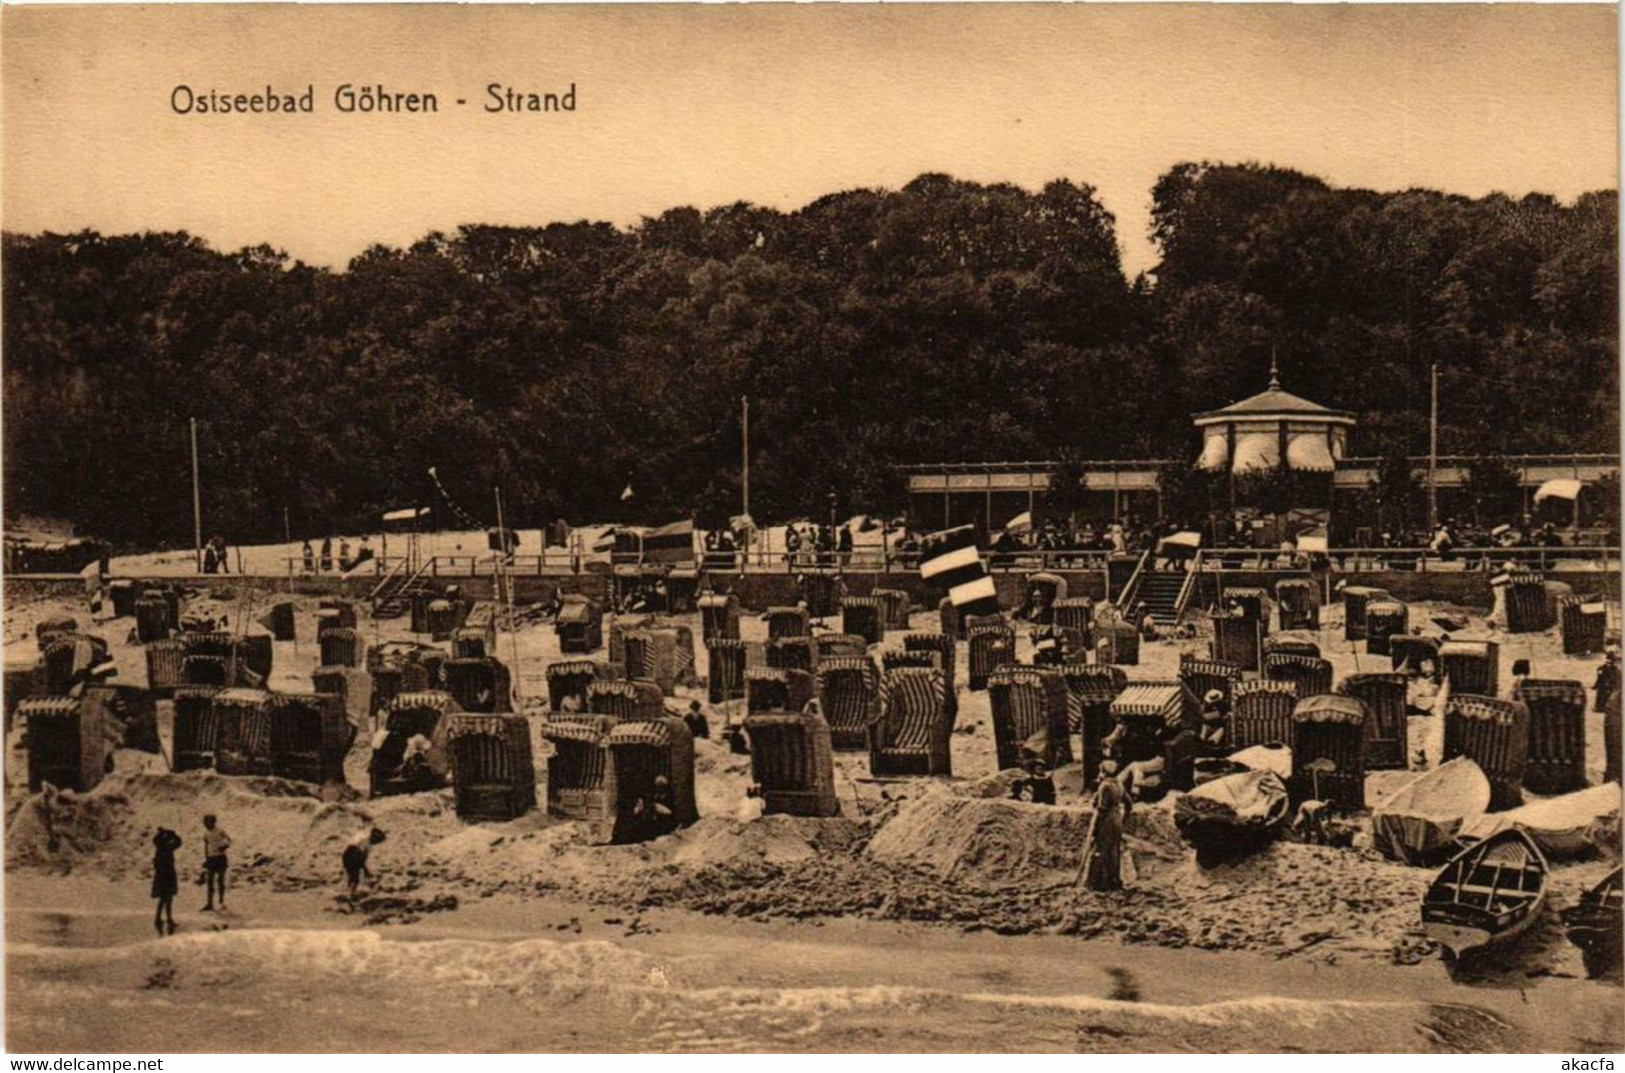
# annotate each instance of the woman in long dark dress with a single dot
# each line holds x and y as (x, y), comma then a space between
(165, 883)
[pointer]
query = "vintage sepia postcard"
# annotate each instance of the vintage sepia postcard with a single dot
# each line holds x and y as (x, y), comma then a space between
(811, 528)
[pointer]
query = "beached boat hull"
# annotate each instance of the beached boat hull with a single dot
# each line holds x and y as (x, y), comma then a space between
(1487, 895)
(1597, 926)
(1212, 825)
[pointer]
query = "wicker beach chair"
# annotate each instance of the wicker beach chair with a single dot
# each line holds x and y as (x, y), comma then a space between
(1204, 675)
(422, 713)
(910, 736)
(790, 760)
(196, 734)
(1311, 676)
(842, 644)
(1556, 761)
(351, 685)
(1387, 745)
(1585, 625)
(626, 699)
(581, 775)
(787, 622)
(1253, 601)
(569, 678)
(1117, 643)
(243, 727)
(793, 654)
(1355, 598)
(1494, 734)
(897, 607)
(774, 689)
(1147, 710)
(641, 752)
(1328, 751)
(1407, 653)
(719, 617)
(1239, 641)
(342, 647)
(822, 594)
(1027, 702)
(1472, 666)
(309, 737)
(1384, 620)
(726, 660)
(579, 625)
(1261, 712)
(864, 616)
(479, 685)
(1293, 642)
(1297, 604)
(652, 654)
(1529, 609)
(848, 691)
(988, 648)
(67, 743)
(152, 621)
(1075, 619)
(1090, 691)
(493, 771)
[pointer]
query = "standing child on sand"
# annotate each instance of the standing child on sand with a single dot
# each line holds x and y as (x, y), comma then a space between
(165, 883)
(215, 844)
(356, 852)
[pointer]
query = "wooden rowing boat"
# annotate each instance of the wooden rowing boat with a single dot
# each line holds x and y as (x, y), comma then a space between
(1487, 895)
(1232, 816)
(1597, 924)
(1418, 823)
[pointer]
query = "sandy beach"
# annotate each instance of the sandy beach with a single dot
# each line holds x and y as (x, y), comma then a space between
(780, 934)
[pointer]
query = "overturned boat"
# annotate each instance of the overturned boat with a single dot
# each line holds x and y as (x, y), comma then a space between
(1597, 924)
(1419, 823)
(1232, 816)
(1487, 895)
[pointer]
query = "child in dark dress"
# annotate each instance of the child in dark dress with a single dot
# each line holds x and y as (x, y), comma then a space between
(165, 883)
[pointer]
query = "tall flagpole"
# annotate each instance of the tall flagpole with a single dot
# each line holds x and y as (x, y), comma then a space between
(507, 598)
(744, 425)
(1433, 451)
(197, 507)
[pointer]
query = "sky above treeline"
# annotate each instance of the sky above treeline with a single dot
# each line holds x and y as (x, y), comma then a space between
(708, 105)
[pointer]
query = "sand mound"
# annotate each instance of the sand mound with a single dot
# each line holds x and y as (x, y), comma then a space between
(985, 842)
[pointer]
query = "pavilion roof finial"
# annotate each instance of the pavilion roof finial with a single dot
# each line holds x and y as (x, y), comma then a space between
(1275, 371)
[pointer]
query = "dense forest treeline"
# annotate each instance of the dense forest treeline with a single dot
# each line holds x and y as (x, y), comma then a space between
(944, 321)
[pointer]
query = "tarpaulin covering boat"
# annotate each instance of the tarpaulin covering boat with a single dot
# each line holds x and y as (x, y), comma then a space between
(1232, 816)
(1419, 822)
(1558, 825)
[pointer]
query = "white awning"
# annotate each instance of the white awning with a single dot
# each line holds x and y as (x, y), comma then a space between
(405, 514)
(1560, 488)
(1215, 450)
(1021, 523)
(1257, 451)
(1308, 451)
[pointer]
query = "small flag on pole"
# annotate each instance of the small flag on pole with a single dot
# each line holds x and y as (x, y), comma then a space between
(950, 560)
